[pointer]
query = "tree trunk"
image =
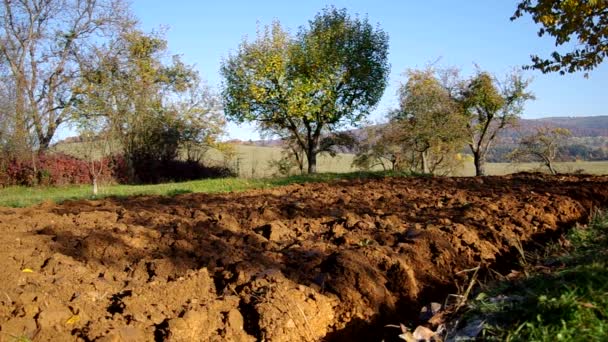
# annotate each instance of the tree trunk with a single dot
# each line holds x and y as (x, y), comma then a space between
(312, 160)
(45, 141)
(425, 162)
(95, 186)
(551, 168)
(480, 164)
(20, 138)
(311, 150)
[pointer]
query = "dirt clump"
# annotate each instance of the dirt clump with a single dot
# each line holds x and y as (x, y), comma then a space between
(304, 262)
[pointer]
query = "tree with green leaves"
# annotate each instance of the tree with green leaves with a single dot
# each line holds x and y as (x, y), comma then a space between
(582, 23)
(544, 145)
(491, 106)
(331, 74)
(433, 125)
(152, 108)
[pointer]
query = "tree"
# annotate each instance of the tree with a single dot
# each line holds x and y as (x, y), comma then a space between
(490, 107)
(431, 121)
(544, 146)
(330, 144)
(585, 21)
(41, 41)
(331, 74)
(152, 108)
(382, 146)
(6, 103)
(95, 143)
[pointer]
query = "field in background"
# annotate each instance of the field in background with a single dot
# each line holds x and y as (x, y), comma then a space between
(254, 162)
(499, 169)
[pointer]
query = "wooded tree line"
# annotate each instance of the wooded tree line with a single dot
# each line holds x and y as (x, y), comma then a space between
(87, 64)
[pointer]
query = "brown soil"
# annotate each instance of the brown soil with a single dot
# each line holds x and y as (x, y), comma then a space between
(298, 263)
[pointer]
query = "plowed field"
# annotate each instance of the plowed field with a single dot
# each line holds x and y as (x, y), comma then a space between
(298, 263)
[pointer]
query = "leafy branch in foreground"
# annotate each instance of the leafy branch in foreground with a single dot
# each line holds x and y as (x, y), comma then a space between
(581, 23)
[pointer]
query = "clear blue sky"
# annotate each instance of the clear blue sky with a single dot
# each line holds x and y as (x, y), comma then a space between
(459, 32)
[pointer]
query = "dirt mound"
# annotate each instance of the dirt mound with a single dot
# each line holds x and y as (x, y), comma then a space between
(298, 263)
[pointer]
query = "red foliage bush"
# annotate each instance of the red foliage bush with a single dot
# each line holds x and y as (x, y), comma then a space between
(62, 169)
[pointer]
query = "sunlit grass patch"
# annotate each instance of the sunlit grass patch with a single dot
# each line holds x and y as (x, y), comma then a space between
(19, 196)
(567, 301)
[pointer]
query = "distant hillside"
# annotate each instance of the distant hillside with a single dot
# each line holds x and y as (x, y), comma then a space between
(583, 126)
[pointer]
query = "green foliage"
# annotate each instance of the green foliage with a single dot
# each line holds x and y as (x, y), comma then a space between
(430, 121)
(332, 73)
(344, 62)
(568, 303)
(491, 106)
(582, 22)
(152, 108)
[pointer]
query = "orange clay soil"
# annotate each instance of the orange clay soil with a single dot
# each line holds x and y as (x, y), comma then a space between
(298, 263)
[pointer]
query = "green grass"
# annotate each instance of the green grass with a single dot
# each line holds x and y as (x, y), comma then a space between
(568, 303)
(19, 196)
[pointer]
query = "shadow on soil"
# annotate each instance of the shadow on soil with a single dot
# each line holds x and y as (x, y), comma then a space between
(377, 249)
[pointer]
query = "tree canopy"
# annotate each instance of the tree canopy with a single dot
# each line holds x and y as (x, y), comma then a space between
(432, 123)
(544, 145)
(153, 108)
(491, 106)
(332, 73)
(581, 23)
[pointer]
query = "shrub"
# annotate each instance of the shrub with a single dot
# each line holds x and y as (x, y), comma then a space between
(61, 169)
(177, 171)
(58, 169)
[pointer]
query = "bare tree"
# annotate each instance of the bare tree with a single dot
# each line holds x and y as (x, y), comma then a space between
(543, 146)
(40, 40)
(381, 146)
(95, 144)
